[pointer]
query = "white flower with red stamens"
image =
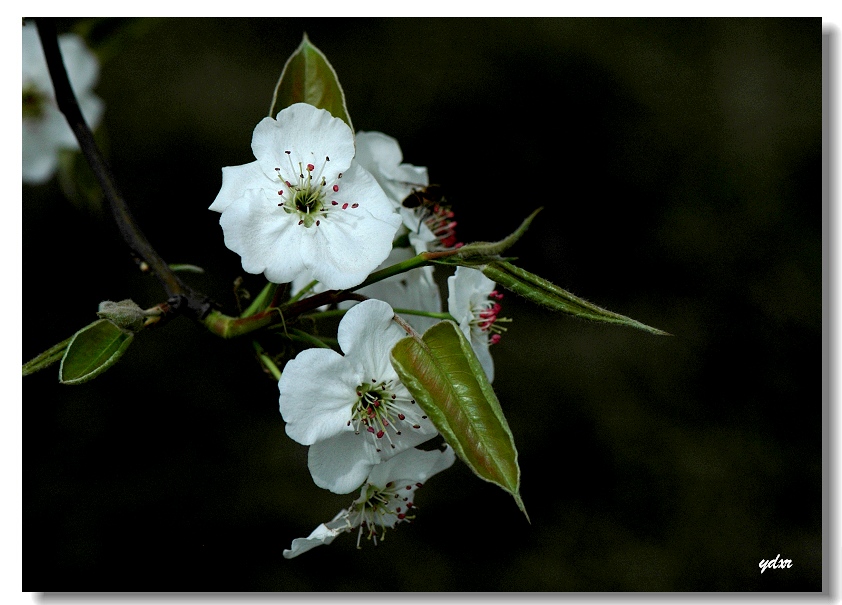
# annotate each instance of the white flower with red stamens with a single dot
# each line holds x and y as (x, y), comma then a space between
(474, 304)
(386, 499)
(305, 204)
(428, 226)
(352, 409)
(45, 130)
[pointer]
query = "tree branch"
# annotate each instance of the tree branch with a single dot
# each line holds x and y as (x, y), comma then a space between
(140, 247)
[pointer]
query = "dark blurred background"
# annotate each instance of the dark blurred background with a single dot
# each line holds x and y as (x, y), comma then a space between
(679, 165)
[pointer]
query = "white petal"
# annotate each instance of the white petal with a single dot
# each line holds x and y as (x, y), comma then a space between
(236, 180)
(415, 289)
(353, 242)
(317, 390)
(266, 238)
(366, 335)
(40, 145)
(342, 463)
(81, 64)
(381, 155)
(412, 465)
(480, 345)
(466, 288)
(323, 534)
(34, 64)
(310, 135)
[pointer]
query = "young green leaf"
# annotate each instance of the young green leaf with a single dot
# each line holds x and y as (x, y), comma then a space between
(545, 293)
(92, 350)
(444, 376)
(47, 358)
(308, 77)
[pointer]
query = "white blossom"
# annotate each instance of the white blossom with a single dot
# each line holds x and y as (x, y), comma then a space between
(351, 409)
(45, 130)
(305, 204)
(427, 225)
(474, 303)
(386, 499)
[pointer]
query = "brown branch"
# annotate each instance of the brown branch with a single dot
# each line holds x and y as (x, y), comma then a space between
(140, 247)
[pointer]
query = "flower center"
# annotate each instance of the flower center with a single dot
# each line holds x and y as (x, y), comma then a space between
(383, 507)
(382, 409)
(307, 192)
(33, 103)
(486, 316)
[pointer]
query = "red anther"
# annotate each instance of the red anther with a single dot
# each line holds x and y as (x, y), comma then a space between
(334, 203)
(401, 417)
(355, 205)
(377, 403)
(385, 422)
(310, 168)
(300, 222)
(495, 338)
(345, 205)
(398, 509)
(287, 152)
(390, 484)
(277, 169)
(380, 433)
(408, 487)
(288, 183)
(416, 426)
(318, 223)
(336, 188)
(280, 192)
(394, 396)
(409, 504)
(359, 394)
(370, 429)
(418, 484)
(401, 516)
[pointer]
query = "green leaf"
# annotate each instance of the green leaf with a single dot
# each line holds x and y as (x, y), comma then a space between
(488, 249)
(47, 358)
(308, 77)
(545, 293)
(444, 376)
(92, 350)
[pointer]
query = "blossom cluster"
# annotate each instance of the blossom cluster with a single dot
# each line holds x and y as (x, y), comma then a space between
(323, 208)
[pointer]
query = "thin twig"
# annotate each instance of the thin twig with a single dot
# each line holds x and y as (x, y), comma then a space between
(176, 290)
